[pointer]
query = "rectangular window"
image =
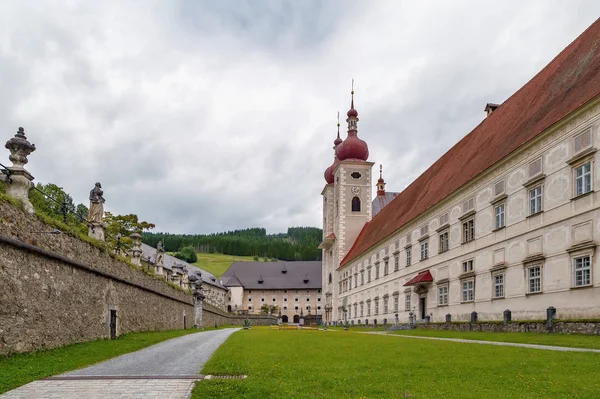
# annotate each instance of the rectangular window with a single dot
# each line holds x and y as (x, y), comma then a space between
(369, 275)
(274, 299)
(350, 282)
(443, 295)
(499, 188)
(296, 299)
(424, 229)
(469, 230)
(443, 219)
(376, 271)
(362, 277)
(468, 266)
(407, 302)
(307, 299)
(368, 308)
(285, 299)
(499, 286)
(318, 299)
(386, 267)
(468, 290)
(408, 256)
(362, 309)
(377, 306)
(249, 299)
(582, 271)
(355, 280)
(424, 249)
(468, 205)
(582, 141)
(535, 200)
(355, 310)
(396, 303)
(534, 279)
(444, 243)
(535, 167)
(499, 211)
(396, 262)
(385, 305)
(583, 179)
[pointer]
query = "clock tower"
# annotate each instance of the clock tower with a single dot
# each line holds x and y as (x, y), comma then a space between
(347, 207)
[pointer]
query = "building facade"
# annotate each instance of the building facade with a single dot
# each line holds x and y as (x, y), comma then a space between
(292, 289)
(508, 218)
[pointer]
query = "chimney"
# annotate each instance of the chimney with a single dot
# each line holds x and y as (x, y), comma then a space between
(489, 108)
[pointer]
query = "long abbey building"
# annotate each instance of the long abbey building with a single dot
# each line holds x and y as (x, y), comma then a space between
(508, 218)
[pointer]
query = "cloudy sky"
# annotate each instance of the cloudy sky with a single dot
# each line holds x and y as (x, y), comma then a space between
(203, 116)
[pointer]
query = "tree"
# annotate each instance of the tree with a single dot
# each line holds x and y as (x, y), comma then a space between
(187, 254)
(123, 225)
(274, 309)
(264, 309)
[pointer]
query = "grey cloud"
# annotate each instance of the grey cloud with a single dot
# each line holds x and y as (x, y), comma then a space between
(208, 116)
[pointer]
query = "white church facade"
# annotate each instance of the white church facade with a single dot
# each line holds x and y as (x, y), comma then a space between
(508, 218)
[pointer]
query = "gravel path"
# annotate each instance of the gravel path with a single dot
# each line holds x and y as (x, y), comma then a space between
(473, 341)
(175, 357)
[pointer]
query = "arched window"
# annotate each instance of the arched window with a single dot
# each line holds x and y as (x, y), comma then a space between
(330, 278)
(355, 204)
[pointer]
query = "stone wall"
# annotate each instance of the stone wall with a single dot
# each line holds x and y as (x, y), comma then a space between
(56, 289)
(561, 327)
(212, 315)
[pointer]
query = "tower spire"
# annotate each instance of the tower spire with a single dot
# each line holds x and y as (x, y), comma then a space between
(338, 140)
(352, 113)
(380, 183)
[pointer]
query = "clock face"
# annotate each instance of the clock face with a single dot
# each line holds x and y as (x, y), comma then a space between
(355, 190)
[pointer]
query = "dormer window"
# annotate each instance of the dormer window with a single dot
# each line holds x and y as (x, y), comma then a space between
(260, 280)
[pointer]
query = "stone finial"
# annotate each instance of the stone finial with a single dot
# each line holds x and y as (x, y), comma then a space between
(95, 218)
(158, 262)
(136, 250)
(19, 149)
(19, 181)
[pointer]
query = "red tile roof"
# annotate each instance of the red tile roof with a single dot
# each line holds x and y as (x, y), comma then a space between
(423, 277)
(569, 81)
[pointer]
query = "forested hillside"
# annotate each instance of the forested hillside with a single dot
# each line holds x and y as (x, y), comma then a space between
(299, 243)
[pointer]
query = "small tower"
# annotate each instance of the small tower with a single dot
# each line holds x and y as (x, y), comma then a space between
(380, 183)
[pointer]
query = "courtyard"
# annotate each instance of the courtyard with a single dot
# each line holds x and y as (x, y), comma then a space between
(350, 364)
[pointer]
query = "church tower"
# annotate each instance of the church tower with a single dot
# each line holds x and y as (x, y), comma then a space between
(347, 203)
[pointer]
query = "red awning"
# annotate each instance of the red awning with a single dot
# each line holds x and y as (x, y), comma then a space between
(423, 277)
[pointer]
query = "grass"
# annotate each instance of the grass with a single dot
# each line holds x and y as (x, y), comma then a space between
(19, 369)
(343, 364)
(217, 264)
(572, 341)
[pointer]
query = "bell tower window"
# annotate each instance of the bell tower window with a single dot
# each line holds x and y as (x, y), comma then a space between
(355, 204)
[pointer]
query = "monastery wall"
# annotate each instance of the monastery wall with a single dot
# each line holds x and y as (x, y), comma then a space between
(56, 289)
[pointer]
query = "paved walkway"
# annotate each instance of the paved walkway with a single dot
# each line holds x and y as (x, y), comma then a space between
(163, 371)
(497, 343)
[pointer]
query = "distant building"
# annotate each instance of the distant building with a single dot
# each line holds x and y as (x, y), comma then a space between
(508, 218)
(214, 291)
(293, 287)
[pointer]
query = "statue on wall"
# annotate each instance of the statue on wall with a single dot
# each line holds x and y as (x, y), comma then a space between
(96, 213)
(160, 252)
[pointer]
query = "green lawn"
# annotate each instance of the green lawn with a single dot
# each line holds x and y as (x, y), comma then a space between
(573, 341)
(344, 364)
(217, 264)
(22, 368)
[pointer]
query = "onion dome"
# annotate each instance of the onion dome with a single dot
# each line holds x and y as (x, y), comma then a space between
(329, 177)
(352, 147)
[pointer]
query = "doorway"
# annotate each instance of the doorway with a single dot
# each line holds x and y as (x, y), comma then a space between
(422, 307)
(296, 319)
(284, 319)
(113, 324)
